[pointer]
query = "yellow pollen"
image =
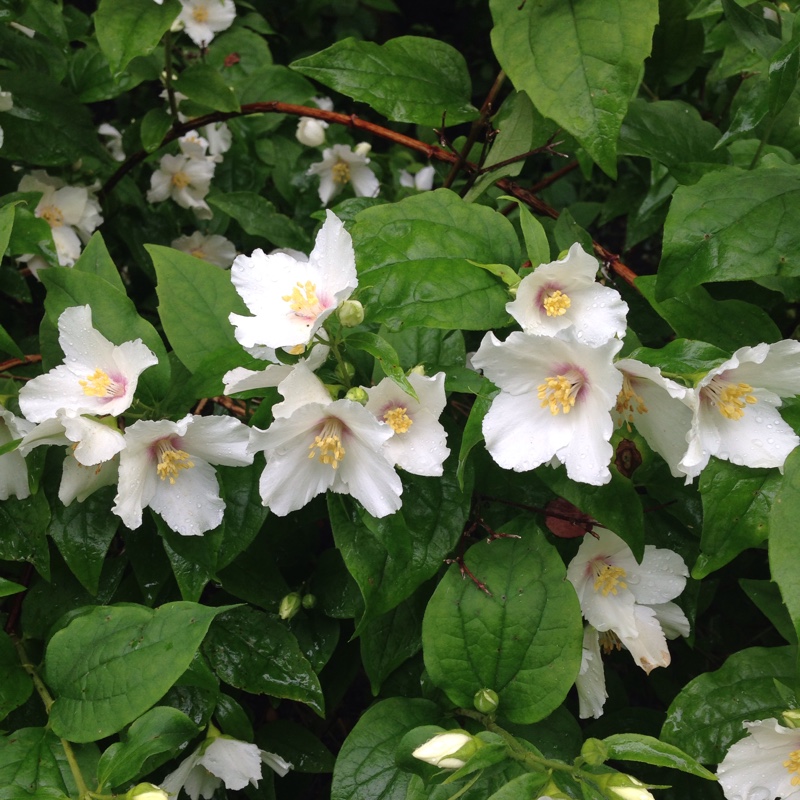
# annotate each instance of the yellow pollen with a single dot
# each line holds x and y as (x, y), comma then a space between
(792, 764)
(729, 398)
(198, 253)
(181, 180)
(171, 461)
(52, 215)
(556, 303)
(298, 349)
(559, 393)
(341, 172)
(97, 384)
(398, 420)
(629, 401)
(608, 579)
(303, 300)
(200, 14)
(327, 446)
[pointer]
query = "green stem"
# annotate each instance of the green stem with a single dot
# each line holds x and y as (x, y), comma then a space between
(173, 103)
(337, 354)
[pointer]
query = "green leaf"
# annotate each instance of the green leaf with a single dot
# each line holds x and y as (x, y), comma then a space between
(24, 526)
(194, 301)
(6, 224)
(426, 278)
(731, 225)
(706, 717)
(783, 557)
(160, 730)
(130, 28)
(784, 70)
(15, 684)
(385, 355)
(473, 430)
(365, 768)
(408, 79)
(110, 665)
(579, 62)
(522, 787)
(256, 652)
(682, 359)
(736, 511)
(96, 259)
(296, 744)
(8, 345)
(729, 324)
(10, 587)
(203, 84)
(536, 245)
(647, 750)
(566, 232)
(155, 124)
(523, 641)
(258, 217)
(767, 596)
(751, 30)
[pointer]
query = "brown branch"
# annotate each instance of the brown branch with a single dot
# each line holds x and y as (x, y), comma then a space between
(18, 362)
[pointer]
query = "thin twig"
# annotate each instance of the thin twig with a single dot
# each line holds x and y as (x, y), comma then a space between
(19, 362)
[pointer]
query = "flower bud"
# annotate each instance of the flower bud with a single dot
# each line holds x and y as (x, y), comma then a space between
(345, 371)
(146, 791)
(351, 313)
(362, 149)
(309, 601)
(290, 605)
(419, 369)
(448, 750)
(618, 786)
(486, 701)
(792, 718)
(358, 394)
(594, 751)
(310, 131)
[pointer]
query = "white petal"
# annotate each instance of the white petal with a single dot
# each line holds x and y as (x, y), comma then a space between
(96, 442)
(13, 469)
(237, 763)
(368, 476)
(218, 440)
(588, 451)
(591, 680)
(275, 763)
(334, 255)
(242, 379)
(660, 577)
(365, 184)
(174, 782)
(299, 388)
(78, 481)
(649, 646)
(672, 620)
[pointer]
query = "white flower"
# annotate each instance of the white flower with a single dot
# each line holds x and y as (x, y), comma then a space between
(555, 403)
(418, 442)
(113, 141)
(340, 166)
(219, 138)
(186, 180)
(6, 101)
(291, 298)
(441, 749)
(241, 379)
(316, 444)
(192, 144)
(735, 409)
(422, 181)
(221, 760)
(591, 680)
(564, 295)
(628, 599)
(97, 377)
(764, 765)
(71, 212)
(311, 131)
(203, 18)
(213, 248)
(13, 469)
(660, 408)
(167, 466)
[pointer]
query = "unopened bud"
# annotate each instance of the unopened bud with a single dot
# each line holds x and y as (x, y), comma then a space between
(351, 313)
(310, 131)
(792, 718)
(146, 791)
(290, 605)
(618, 786)
(345, 371)
(486, 701)
(362, 149)
(418, 370)
(448, 750)
(309, 601)
(358, 394)
(594, 752)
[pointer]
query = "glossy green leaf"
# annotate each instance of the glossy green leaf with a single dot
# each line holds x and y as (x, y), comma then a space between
(96, 259)
(408, 79)
(385, 356)
(767, 596)
(706, 716)
(736, 510)
(110, 665)
(522, 787)
(365, 768)
(647, 750)
(523, 640)
(426, 278)
(256, 652)
(579, 62)
(204, 84)
(8, 345)
(8, 587)
(296, 744)
(473, 429)
(16, 685)
(130, 28)
(682, 358)
(6, 224)
(750, 29)
(784, 70)
(731, 225)
(537, 248)
(24, 525)
(155, 125)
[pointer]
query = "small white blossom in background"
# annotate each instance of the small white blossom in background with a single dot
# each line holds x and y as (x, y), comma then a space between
(591, 680)
(340, 165)
(186, 180)
(213, 248)
(72, 212)
(418, 443)
(219, 760)
(13, 469)
(736, 409)
(194, 145)
(422, 180)
(202, 19)
(311, 131)
(765, 764)
(219, 138)
(113, 141)
(630, 600)
(564, 295)
(6, 104)
(554, 405)
(317, 444)
(291, 298)
(447, 750)
(167, 466)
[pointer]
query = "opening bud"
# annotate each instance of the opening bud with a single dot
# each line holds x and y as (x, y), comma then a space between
(309, 601)
(345, 371)
(310, 131)
(362, 149)
(290, 605)
(618, 786)
(448, 750)
(792, 718)
(351, 313)
(594, 751)
(358, 394)
(146, 791)
(486, 701)
(418, 370)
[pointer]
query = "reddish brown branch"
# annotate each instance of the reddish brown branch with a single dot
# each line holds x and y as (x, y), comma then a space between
(18, 362)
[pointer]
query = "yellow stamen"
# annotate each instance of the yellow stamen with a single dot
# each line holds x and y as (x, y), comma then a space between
(200, 14)
(792, 764)
(52, 215)
(398, 420)
(181, 180)
(298, 349)
(303, 300)
(341, 172)
(198, 253)
(609, 641)
(556, 303)
(608, 579)
(629, 401)
(97, 384)
(327, 446)
(729, 398)
(171, 461)
(559, 393)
